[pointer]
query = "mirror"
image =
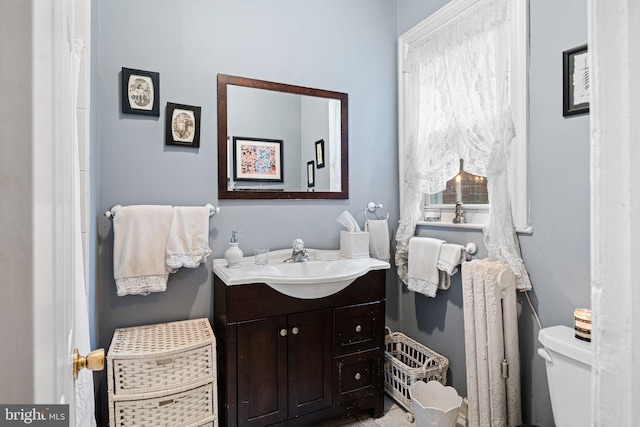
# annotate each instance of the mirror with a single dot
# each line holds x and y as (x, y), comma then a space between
(280, 141)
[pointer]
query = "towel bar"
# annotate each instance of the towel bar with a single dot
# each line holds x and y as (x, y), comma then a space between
(471, 249)
(371, 207)
(212, 210)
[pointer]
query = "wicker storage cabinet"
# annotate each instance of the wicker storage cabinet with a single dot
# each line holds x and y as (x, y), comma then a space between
(163, 375)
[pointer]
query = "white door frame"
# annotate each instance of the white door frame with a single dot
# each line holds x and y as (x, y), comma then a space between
(614, 46)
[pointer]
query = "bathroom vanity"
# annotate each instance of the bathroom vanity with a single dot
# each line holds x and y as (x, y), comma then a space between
(293, 361)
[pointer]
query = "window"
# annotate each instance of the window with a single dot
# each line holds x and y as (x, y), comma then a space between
(475, 207)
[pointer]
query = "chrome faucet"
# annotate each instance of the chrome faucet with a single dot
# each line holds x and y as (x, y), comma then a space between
(299, 253)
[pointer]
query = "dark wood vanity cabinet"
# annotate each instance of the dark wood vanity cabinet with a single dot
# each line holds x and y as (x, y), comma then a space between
(295, 362)
(284, 367)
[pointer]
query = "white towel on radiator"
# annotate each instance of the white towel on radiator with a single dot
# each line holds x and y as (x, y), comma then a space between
(188, 241)
(423, 273)
(139, 245)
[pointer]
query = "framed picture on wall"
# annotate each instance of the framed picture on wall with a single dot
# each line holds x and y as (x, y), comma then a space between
(320, 153)
(311, 174)
(576, 82)
(182, 125)
(257, 159)
(140, 92)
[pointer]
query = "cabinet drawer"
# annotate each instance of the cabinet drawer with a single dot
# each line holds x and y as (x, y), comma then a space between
(357, 328)
(358, 375)
(189, 408)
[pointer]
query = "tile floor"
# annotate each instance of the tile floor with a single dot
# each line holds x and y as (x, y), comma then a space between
(394, 416)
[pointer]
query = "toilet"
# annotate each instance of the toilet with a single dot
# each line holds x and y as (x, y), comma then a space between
(568, 362)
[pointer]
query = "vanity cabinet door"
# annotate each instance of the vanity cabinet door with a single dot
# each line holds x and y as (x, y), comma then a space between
(262, 371)
(284, 367)
(310, 362)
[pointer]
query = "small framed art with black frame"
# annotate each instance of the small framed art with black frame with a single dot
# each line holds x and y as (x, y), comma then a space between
(576, 81)
(320, 154)
(140, 92)
(182, 125)
(311, 174)
(257, 159)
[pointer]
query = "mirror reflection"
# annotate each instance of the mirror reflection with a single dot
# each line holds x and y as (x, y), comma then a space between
(280, 141)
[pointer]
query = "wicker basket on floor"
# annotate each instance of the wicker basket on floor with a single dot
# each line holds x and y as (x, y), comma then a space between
(407, 361)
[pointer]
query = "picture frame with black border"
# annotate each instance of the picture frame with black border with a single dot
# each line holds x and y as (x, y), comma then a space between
(182, 125)
(257, 159)
(576, 81)
(140, 92)
(320, 154)
(311, 174)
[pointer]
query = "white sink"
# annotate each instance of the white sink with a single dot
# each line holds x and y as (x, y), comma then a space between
(316, 278)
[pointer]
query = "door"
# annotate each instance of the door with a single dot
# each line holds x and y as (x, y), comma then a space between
(262, 371)
(60, 315)
(310, 362)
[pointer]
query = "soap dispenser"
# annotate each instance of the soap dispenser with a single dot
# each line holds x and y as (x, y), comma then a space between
(233, 254)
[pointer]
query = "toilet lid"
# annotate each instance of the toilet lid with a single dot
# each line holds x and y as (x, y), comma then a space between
(561, 339)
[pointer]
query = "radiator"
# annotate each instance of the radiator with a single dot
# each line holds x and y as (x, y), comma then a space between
(491, 344)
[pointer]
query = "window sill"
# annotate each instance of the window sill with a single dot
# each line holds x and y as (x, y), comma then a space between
(467, 226)
(440, 224)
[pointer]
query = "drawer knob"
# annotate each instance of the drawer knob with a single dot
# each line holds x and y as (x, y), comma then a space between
(358, 376)
(295, 330)
(358, 328)
(283, 332)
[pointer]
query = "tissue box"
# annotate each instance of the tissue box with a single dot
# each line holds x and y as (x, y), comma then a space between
(354, 244)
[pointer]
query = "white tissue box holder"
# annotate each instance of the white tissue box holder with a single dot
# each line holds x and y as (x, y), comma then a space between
(354, 244)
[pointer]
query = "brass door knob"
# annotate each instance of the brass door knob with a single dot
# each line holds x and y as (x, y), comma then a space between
(93, 361)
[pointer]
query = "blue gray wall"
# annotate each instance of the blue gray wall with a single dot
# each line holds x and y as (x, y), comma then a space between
(557, 253)
(343, 46)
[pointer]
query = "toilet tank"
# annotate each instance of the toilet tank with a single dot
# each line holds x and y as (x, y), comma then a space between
(568, 362)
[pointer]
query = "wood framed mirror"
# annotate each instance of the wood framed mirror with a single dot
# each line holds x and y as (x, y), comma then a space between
(254, 114)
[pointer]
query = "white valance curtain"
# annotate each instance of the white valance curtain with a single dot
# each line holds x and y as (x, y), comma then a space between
(458, 108)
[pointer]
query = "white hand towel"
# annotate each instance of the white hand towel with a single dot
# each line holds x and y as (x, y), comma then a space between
(423, 273)
(445, 281)
(188, 241)
(139, 246)
(378, 238)
(451, 255)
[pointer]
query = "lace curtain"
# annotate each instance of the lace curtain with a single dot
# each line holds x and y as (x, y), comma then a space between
(458, 108)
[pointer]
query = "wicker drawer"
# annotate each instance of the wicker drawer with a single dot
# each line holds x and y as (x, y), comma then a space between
(357, 328)
(160, 357)
(189, 408)
(158, 373)
(358, 375)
